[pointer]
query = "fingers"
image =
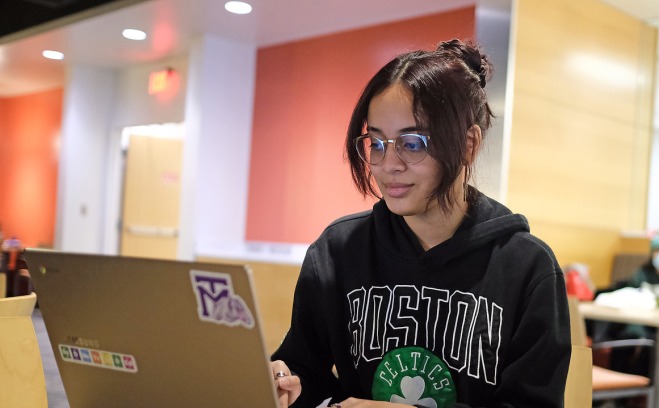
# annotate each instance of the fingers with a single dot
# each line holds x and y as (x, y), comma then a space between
(282, 396)
(291, 385)
(288, 386)
(279, 369)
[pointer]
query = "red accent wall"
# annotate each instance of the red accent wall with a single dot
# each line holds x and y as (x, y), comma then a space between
(29, 136)
(305, 91)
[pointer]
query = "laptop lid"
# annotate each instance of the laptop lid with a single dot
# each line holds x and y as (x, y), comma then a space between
(132, 332)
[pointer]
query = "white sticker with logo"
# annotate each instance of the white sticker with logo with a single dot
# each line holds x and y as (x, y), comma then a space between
(217, 302)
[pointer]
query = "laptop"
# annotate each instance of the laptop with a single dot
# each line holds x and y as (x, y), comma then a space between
(132, 332)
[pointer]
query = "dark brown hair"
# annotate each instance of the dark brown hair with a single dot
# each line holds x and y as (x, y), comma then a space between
(447, 86)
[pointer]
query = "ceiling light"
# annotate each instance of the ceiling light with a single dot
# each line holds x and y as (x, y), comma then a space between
(238, 7)
(133, 34)
(54, 55)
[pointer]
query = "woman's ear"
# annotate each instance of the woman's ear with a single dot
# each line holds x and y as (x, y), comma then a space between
(474, 141)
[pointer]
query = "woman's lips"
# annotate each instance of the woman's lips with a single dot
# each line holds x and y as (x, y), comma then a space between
(397, 190)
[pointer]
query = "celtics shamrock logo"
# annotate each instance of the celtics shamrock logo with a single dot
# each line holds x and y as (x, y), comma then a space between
(414, 376)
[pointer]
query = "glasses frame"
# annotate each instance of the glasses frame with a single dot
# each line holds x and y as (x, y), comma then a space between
(397, 148)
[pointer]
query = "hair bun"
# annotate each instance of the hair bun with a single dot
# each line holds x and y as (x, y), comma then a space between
(471, 55)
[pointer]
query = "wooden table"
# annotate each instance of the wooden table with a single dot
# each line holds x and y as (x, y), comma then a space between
(645, 317)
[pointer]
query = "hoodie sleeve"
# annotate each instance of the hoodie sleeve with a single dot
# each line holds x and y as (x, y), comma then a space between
(305, 348)
(539, 352)
(540, 349)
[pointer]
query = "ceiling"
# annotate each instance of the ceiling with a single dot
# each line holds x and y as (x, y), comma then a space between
(93, 36)
(18, 15)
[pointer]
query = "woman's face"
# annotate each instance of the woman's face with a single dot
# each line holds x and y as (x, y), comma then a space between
(406, 188)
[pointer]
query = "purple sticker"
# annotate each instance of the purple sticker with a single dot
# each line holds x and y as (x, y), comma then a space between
(216, 301)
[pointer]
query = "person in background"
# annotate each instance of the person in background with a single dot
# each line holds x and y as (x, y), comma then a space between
(12, 263)
(439, 296)
(635, 360)
(578, 282)
(632, 359)
(648, 272)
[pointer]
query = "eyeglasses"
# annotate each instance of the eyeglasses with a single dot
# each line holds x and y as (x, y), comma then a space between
(411, 148)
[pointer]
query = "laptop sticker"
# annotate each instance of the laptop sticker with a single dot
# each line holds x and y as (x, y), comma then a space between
(107, 358)
(86, 355)
(217, 302)
(98, 358)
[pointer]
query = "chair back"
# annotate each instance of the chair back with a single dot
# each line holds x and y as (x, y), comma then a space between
(3, 285)
(624, 266)
(579, 384)
(578, 387)
(18, 305)
(577, 323)
(604, 384)
(22, 381)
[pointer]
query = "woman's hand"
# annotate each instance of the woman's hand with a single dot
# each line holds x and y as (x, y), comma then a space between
(288, 386)
(360, 403)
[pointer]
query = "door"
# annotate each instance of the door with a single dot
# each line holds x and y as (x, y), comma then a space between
(152, 187)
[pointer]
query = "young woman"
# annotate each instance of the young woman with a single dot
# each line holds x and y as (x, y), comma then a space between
(439, 296)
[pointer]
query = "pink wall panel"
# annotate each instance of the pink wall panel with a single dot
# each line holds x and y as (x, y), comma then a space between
(29, 135)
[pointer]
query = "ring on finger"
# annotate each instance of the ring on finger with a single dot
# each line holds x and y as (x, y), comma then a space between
(280, 374)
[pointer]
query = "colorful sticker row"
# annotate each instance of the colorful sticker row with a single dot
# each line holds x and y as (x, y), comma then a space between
(98, 358)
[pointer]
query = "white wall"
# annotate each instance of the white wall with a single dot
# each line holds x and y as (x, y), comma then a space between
(136, 107)
(215, 101)
(218, 128)
(87, 114)
(493, 35)
(98, 103)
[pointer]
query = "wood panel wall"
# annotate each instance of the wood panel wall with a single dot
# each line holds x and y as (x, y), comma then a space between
(581, 126)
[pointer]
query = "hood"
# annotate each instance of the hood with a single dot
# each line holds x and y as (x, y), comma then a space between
(486, 221)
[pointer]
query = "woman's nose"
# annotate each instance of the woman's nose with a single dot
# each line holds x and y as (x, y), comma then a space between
(391, 160)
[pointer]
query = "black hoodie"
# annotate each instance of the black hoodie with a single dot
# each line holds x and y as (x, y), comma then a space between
(480, 320)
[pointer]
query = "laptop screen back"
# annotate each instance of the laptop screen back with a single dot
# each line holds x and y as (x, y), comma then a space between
(131, 332)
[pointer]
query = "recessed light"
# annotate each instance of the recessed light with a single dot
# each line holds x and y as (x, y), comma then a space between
(54, 55)
(133, 34)
(238, 7)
